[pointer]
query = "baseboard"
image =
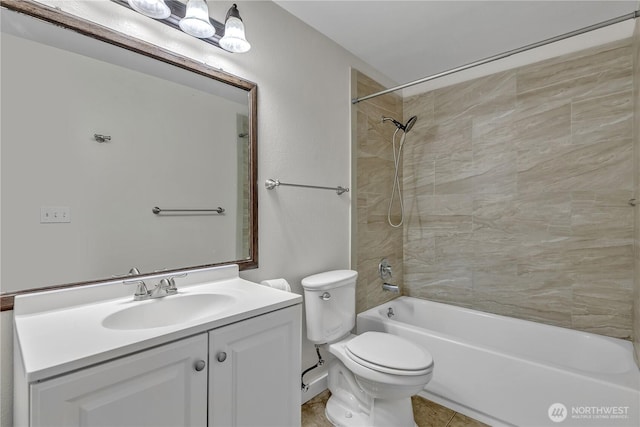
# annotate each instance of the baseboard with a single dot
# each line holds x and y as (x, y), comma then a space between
(316, 387)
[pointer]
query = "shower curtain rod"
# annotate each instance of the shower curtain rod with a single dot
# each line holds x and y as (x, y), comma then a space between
(503, 55)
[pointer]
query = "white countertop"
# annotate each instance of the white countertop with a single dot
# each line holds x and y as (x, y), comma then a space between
(60, 331)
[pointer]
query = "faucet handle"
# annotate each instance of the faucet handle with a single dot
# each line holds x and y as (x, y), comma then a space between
(133, 272)
(172, 281)
(141, 291)
(384, 269)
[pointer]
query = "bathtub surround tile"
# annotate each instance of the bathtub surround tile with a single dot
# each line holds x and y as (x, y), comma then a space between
(454, 173)
(495, 173)
(518, 192)
(419, 247)
(546, 300)
(442, 214)
(418, 177)
(572, 66)
(541, 217)
(373, 181)
(454, 250)
(446, 284)
(542, 128)
(484, 95)
(366, 86)
(604, 118)
(591, 86)
(600, 166)
(421, 106)
(493, 133)
(448, 137)
(603, 306)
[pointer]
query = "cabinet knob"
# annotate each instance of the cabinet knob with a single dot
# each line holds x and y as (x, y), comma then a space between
(199, 365)
(222, 356)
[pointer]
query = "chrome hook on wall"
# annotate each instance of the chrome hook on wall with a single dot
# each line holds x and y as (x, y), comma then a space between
(101, 138)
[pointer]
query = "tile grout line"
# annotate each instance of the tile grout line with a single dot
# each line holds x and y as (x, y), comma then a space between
(451, 419)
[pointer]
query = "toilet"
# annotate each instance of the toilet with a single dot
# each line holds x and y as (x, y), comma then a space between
(373, 375)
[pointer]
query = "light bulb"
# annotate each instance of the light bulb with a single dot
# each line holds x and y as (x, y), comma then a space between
(234, 39)
(196, 20)
(156, 9)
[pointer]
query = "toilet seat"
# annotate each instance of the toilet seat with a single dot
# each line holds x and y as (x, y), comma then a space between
(388, 353)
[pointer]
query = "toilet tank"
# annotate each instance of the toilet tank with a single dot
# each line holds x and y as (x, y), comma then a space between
(330, 305)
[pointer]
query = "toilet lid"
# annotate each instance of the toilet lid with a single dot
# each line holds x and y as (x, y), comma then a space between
(389, 351)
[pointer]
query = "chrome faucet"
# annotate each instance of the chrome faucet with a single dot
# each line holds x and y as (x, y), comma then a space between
(391, 288)
(166, 287)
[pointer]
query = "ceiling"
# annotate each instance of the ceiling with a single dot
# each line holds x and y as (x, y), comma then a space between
(408, 40)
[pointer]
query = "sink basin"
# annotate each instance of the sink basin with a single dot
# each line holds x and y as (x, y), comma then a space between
(167, 311)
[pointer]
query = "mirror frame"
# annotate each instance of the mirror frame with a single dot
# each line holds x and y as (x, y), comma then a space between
(108, 35)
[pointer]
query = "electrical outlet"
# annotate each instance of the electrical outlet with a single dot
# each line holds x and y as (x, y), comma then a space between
(49, 214)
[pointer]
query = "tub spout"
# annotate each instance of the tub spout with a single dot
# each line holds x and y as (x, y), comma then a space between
(391, 288)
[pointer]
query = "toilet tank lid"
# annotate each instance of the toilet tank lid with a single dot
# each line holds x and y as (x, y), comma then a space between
(329, 279)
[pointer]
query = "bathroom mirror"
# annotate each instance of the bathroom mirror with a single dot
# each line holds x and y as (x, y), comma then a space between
(118, 154)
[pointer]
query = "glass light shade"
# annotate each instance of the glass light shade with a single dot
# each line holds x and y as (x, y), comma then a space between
(234, 39)
(156, 9)
(196, 20)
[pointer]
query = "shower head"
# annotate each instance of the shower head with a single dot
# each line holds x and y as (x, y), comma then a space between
(412, 121)
(403, 127)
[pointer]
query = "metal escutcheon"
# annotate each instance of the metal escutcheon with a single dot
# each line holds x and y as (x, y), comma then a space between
(222, 356)
(325, 296)
(199, 365)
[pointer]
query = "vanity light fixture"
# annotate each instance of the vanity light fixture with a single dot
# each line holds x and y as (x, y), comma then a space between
(156, 9)
(193, 18)
(234, 39)
(196, 20)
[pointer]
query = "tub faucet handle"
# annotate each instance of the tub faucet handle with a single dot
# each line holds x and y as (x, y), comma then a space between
(384, 269)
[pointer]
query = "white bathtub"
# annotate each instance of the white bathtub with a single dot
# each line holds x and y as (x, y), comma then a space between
(506, 371)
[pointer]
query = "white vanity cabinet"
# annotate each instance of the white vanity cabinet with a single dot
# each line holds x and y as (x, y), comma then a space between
(254, 376)
(243, 374)
(157, 387)
(90, 356)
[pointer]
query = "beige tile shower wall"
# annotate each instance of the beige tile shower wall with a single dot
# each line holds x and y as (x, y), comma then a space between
(375, 238)
(517, 187)
(636, 152)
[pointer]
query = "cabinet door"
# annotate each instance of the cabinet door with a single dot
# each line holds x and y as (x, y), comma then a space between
(157, 387)
(254, 371)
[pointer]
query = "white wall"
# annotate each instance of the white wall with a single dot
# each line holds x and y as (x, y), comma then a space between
(303, 136)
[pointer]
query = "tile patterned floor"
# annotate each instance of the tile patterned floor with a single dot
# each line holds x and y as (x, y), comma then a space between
(425, 412)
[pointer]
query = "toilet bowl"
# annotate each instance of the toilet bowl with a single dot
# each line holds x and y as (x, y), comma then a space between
(373, 375)
(373, 378)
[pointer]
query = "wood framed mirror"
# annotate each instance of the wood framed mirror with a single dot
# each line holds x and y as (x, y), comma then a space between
(93, 183)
